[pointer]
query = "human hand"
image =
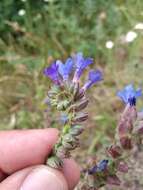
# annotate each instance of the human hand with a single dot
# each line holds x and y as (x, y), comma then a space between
(22, 153)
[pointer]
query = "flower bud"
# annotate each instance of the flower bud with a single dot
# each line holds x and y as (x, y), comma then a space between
(53, 102)
(60, 152)
(80, 117)
(63, 105)
(69, 138)
(81, 105)
(123, 167)
(125, 126)
(54, 162)
(126, 142)
(79, 95)
(140, 130)
(54, 91)
(76, 89)
(70, 145)
(115, 151)
(126, 121)
(113, 180)
(76, 130)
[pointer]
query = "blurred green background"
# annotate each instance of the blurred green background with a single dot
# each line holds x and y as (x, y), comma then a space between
(35, 32)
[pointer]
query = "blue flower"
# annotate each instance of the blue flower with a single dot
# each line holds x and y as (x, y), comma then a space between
(94, 77)
(52, 73)
(64, 118)
(101, 166)
(65, 69)
(81, 63)
(129, 94)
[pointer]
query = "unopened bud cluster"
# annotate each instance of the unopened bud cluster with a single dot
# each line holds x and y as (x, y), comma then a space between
(72, 108)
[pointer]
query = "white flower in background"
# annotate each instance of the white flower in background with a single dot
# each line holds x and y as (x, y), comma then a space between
(21, 12)
(130, 36)
(23, 0)
(109, 44)
(139, 26)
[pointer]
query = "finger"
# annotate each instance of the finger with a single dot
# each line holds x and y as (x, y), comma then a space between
(38, 178)
(20, 149)
(71, 172)
(42, 177)
(2, 175)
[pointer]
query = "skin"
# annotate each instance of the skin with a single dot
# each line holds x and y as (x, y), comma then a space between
(22, 151)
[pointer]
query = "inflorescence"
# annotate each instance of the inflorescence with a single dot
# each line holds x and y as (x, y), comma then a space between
(67, 95)
(105, 171)
(69, 98)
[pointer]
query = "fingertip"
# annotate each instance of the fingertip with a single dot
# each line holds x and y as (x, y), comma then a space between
(41, 176)
(71, 171)
(52, 134)
(25, 148)
(44, 178)
(2, 175)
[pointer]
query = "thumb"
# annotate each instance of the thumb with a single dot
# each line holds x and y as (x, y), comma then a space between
(35, 178)
(44, 178)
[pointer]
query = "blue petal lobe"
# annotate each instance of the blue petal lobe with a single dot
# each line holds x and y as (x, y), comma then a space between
(129, 94)
(81, 63)
(52, 73)
(95, 76)
(65, 69)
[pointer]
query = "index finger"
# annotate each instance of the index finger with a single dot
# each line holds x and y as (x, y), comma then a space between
(23, 148)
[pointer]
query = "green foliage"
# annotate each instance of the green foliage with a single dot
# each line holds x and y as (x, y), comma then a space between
(59, 27)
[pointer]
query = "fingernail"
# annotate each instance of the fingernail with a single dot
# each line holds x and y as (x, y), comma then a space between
(44, 179)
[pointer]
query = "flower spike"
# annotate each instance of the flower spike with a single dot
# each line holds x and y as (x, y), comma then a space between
(129, 95)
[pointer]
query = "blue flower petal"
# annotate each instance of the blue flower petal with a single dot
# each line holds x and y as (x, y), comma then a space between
(52, 73)
(65, 69)
(81, 63)
(129, 94)
(94, 77)
(100, 167)
(92, 170)
(122, 95)
(78, 58)
(64, 118)
(138, 93)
